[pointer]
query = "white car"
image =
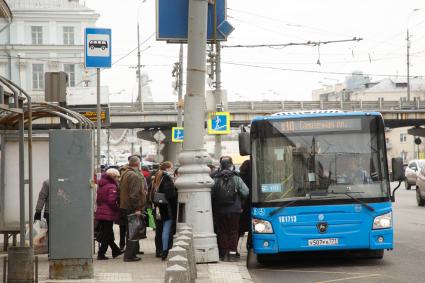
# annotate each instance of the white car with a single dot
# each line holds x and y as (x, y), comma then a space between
(412, 172)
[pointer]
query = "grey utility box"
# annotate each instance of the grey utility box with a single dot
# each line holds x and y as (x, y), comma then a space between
(71, 204)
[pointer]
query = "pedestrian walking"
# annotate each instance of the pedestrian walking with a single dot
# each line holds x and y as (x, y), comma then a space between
(43, 202)
(132, 201)
(227, 194)
(107, 212)
(164, 198)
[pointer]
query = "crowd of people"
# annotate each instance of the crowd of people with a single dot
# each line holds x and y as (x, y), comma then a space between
(134, 191)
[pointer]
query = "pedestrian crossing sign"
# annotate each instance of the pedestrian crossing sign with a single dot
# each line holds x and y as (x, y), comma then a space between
(177, 134)
(219, 123)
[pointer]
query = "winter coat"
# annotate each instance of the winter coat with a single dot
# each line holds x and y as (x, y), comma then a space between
(107, 200)
(168, 211)
(132, 190)
(43, 198)
(243, 192)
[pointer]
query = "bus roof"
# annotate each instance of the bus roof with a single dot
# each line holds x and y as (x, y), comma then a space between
(314, 114)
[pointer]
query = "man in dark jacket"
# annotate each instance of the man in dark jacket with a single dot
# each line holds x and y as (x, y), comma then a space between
(132, 200)
(43, 202)
(227, 192)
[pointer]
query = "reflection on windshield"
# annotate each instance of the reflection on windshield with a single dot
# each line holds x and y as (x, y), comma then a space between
(292, 166)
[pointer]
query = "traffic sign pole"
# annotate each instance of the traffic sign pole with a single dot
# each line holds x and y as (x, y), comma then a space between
(194, 184)
(99, 124)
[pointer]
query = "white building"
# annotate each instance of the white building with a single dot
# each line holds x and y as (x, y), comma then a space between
(45, 36)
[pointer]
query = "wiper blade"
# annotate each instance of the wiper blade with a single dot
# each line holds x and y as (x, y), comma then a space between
(348, 194)
(282, 207)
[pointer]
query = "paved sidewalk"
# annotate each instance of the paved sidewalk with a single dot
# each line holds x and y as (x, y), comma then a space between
(150, 269)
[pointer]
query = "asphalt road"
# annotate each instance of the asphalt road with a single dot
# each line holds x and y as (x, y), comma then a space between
(406, 263)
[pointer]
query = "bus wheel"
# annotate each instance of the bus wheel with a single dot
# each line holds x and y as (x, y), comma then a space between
(251, 259)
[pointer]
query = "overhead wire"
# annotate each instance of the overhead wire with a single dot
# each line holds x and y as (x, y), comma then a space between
(307, 71)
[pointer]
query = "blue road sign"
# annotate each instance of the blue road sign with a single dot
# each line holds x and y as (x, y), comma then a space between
(177, 134)
(172, 20)
(98, 48)
(219, 123)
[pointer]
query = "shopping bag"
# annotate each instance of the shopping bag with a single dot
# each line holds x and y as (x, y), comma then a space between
(135, 226)
(151, 219)
(39, 235)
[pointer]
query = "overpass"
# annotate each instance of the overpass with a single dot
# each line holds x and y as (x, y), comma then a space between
(163, 115)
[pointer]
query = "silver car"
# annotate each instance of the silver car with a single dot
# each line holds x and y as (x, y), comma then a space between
(412, 172)
(420, 187)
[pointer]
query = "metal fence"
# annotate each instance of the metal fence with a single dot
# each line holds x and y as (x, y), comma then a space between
(279, 106)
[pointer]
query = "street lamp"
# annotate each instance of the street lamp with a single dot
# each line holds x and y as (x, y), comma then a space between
(138, 57)
(408, 51)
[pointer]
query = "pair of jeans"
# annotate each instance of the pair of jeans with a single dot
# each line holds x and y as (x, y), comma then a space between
(158, 235)
(166, 234)
(107, 239)
(228, 232)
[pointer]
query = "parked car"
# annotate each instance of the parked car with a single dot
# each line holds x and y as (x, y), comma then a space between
(420, 187)
(412, 171)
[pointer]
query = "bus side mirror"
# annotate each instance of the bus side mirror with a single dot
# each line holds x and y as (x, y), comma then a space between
(398, 174)
(244, 144)
(397, 168)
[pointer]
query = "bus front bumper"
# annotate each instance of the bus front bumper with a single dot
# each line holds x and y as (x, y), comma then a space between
(269, 244)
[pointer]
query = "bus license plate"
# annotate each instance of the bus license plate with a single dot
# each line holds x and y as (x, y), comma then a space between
(323, 242)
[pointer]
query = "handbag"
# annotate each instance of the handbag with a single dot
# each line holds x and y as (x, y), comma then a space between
(159, 198)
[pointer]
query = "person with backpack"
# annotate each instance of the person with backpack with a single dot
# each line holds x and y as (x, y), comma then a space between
(226, 195)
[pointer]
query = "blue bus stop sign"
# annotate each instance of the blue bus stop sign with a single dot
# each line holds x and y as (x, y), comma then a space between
(219, 123)
(98, 48)
(172, 20)
(177, 134)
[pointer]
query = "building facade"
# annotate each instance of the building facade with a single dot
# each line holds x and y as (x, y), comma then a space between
(360, 88)
(45, 36)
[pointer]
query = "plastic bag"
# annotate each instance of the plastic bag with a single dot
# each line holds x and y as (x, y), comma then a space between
(39, 235)
(135, 226)
(151, 219)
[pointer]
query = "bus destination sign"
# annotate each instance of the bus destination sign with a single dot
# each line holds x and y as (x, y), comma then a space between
(303, 126)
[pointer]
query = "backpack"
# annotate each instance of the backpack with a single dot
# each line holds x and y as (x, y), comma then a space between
(225, 190)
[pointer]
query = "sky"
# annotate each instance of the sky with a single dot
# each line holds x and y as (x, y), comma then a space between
(289, 73)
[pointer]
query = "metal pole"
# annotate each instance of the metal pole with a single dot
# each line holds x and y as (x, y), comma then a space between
(408, 65)
(109, 146)
(217, 96)
(21, 181)
(132, 142)
(2, 179)
(30, 179)
(139, 91)
(194, 184)
(99, 122)
(180, 97)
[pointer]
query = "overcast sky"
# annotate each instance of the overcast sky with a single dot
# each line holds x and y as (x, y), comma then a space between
(290, 73)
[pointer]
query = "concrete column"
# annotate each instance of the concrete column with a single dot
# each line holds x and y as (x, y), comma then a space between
(194, 184)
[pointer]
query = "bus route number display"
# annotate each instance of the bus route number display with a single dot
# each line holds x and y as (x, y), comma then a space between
(300, 126)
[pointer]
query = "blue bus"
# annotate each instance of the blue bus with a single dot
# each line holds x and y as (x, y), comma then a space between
(320, 182)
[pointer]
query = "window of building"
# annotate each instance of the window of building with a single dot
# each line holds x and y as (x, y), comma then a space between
(38, 76)
(70, 70)
(68, 36)
(37, 35)
(403, 137)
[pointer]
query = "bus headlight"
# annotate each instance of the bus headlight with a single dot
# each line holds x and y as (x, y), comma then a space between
(262, 226)
(383, 221)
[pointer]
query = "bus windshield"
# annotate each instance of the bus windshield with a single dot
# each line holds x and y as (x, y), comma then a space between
(319, 159)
